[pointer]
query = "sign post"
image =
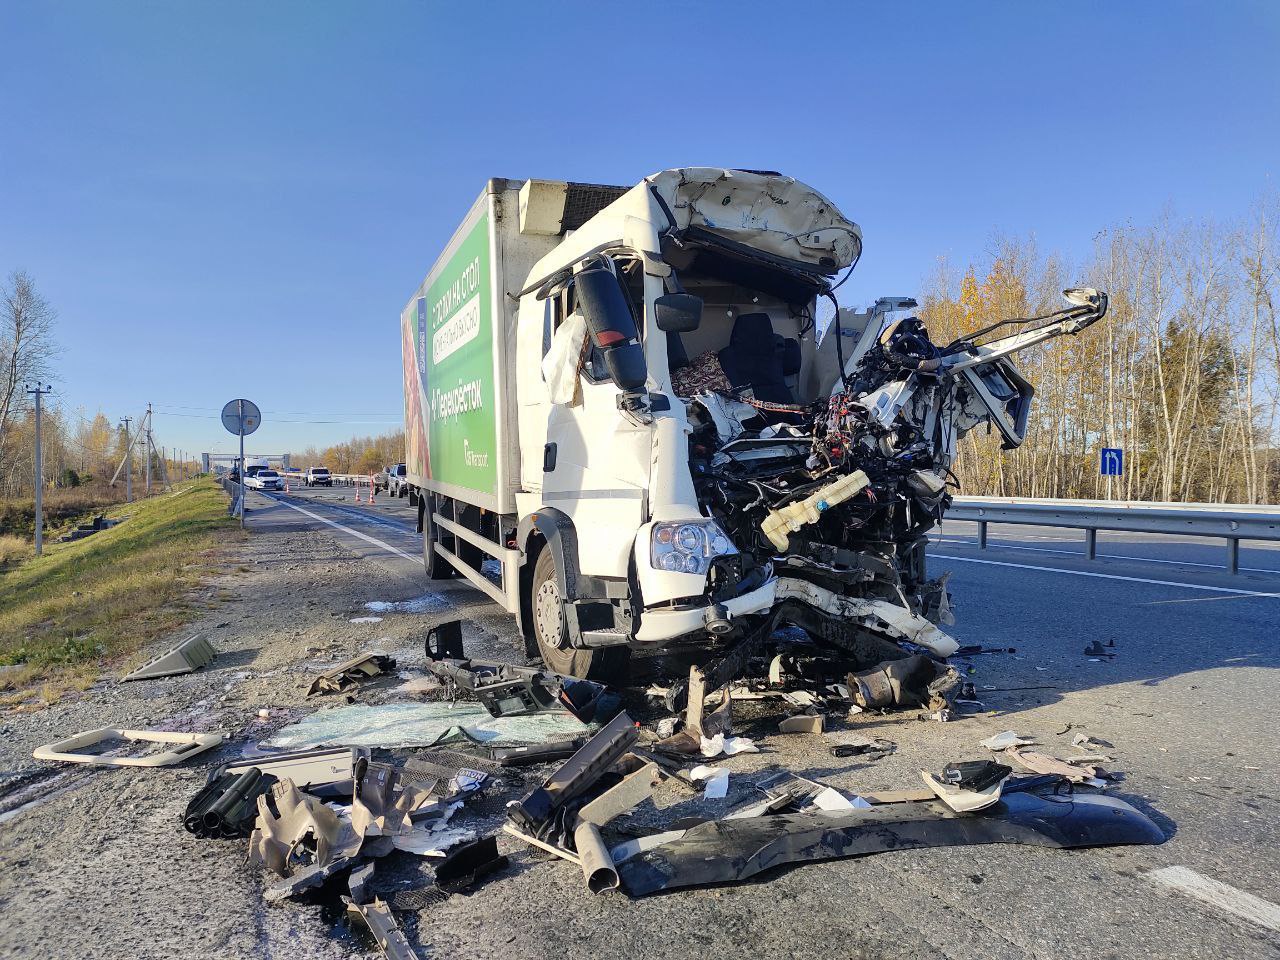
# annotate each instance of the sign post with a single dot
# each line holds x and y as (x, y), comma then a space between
(1111, 464)
(241, 417)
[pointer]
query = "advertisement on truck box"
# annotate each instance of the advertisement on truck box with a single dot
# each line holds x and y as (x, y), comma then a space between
(451, 409)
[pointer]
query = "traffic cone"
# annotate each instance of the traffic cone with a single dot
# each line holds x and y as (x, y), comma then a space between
(372, 488)
(286, 483)
(357, 486)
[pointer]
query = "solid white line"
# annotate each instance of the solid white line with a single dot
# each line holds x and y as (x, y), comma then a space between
(1220, 895)
(1004, 545)
(355, 533)
(1108, 576)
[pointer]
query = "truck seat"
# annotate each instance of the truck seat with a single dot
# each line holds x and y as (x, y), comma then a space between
(758, 358)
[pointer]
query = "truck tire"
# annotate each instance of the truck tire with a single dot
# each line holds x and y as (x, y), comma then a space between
(605, 665)
(469, 517)
(438, 568)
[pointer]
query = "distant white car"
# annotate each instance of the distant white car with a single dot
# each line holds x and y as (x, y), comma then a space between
(265, 480)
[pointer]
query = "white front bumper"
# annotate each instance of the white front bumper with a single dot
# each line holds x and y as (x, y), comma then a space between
(657, 626)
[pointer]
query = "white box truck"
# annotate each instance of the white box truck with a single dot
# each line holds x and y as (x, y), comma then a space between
(620, 398)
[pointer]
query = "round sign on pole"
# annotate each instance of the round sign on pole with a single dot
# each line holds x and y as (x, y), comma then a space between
(241, 417)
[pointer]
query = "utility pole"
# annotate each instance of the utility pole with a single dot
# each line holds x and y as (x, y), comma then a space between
(128, 460)
(39, 392)
(240, 413)
(147, 447)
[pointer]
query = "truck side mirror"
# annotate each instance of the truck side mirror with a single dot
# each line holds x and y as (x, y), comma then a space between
(611, 325)
(678, 312)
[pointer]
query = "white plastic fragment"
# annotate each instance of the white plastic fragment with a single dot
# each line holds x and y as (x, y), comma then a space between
(717, 781)
(432, 843)
(366, 620)
(1002, 741)
(829, 798)
(728, 746)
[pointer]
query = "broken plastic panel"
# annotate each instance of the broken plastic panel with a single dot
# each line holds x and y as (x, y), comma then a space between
(296, 831)
(575, 776)
(191, 654)
(324, 771)
(377, 916)
(349, 675)
(109, 738)
(723, 851)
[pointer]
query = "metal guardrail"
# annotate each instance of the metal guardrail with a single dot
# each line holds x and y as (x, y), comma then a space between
(1231, 522)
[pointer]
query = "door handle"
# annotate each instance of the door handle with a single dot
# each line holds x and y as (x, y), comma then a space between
(548, 458)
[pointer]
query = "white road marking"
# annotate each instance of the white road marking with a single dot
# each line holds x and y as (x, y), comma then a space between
(1108, 576)
(1109, 556)
(355, 533)
(1219, 895)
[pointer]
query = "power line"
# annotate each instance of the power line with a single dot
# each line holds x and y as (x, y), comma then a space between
(202, 416)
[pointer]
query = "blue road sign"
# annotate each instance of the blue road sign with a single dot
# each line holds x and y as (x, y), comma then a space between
(1111, 462)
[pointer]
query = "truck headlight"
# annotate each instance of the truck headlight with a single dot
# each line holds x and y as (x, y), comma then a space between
(688, 546)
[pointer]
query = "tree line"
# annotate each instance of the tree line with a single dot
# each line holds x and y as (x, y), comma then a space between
(357, 455)
(1182, 373)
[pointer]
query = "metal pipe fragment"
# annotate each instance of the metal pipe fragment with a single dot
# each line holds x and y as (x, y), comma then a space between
(597, 865)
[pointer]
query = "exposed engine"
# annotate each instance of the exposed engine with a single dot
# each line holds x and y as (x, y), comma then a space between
(835, 498)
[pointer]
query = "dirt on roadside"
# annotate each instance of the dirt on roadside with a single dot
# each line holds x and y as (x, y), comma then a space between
(94, 862)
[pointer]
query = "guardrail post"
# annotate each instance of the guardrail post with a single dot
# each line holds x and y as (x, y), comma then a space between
(1091, 543)
(1233, 555)
(982, 534)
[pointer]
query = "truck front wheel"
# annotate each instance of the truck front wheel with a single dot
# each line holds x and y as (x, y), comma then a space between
(438, 568)
(604, 665)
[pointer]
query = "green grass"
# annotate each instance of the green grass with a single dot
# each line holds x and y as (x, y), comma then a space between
(83, 604)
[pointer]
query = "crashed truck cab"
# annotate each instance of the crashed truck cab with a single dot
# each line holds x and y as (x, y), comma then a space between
(689, 263)
(696, 463)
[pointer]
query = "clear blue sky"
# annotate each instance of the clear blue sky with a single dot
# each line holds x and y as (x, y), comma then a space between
(231, 199)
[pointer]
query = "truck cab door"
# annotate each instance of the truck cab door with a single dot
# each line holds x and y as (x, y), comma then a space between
(533, 339)
(596, 462)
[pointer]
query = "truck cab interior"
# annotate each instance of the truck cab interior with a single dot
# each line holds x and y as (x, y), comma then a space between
(758, 336)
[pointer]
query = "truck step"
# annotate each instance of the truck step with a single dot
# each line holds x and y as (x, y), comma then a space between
(604, 638)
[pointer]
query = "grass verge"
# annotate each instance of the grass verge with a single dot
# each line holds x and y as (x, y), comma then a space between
(82, 603)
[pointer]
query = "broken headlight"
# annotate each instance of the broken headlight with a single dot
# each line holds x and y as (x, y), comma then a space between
(688, 546)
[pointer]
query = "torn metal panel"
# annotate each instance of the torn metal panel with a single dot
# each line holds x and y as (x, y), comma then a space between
(347, 676)
(377, 916)
(184, 745)
(575, 776)
(767, 211)
(917, 681)
(633, 789)
(879, 615)
(191, 654)
(722, 851)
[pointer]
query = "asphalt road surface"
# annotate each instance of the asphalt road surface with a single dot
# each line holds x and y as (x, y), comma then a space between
(94, 864)
(1187, 700)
